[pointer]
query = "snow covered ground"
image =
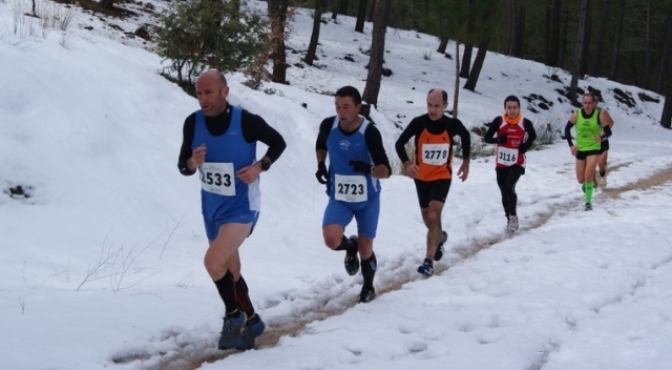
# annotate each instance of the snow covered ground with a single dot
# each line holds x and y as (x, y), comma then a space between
(101, 266)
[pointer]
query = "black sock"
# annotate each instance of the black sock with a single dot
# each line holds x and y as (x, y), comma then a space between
(227, 290)
(243, 298)
(369, 268)
(347, 245)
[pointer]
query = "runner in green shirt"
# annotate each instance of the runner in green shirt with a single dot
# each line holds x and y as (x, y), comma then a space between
(590, 132)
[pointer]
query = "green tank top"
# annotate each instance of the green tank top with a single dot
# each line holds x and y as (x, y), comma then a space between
(586, 130)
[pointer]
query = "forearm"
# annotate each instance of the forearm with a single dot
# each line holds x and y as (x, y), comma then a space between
(568, 133)
(607, 132)
(489, 137)
(321, 155)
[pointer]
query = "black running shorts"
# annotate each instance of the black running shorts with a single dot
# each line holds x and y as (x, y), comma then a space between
(432, 190)
(583, 155)
(605, 146)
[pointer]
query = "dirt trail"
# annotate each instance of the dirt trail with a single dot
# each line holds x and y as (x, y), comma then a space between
(183, 358)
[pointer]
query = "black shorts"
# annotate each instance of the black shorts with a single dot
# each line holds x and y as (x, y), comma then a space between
(605, 146)
(583, 155)
(432, 190)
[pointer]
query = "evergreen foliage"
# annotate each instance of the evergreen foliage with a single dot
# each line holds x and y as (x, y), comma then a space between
(202, 34)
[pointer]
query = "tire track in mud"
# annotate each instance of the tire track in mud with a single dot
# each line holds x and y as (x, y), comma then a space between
(190, 356)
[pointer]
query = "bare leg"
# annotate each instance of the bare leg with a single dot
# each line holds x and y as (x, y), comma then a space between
(431, 216)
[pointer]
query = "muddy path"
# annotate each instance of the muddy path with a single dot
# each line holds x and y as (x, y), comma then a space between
(189, 356)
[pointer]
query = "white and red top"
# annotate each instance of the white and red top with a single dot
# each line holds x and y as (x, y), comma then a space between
(508, 153)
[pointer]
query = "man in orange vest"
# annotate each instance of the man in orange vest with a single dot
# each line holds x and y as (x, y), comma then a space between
(432, 167)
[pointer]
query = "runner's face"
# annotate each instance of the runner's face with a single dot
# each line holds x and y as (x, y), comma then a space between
(347, 111)
(512, 109)
(211, 95)
(435, 105)
(588, 104)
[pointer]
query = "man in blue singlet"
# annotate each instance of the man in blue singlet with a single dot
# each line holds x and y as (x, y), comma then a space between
(220, 142)
(357, 160)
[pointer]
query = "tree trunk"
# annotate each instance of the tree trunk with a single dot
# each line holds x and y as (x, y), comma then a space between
(511, 26)
(361, 15)
(617, 42)
(562, 44)
(520, 32)
(597, 55)
(343, 7)
(578, 53)
(371, 9)
(547, 31)
(553, 26)
(315, 35)
(666, 56)
(372, 88)
(666, 117)
(466, 61)
(586, 39)
(478, 65)
(647, 54)
(442, 46)
(277, 11)
(456, 93)
(107, 4)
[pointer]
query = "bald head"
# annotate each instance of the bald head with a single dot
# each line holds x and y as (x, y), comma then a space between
(211, 91)
(214, 76)
(438, 94)
(437, 102)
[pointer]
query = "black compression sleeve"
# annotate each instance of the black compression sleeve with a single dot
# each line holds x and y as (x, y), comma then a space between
(531, 133)
(492, 129)
(568, 134)
(325, 127)
(185, 150)
(256, 129)
(607, 132)
(374, 143)
(400, 145)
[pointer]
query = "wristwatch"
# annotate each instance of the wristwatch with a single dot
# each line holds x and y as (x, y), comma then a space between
(265, 164)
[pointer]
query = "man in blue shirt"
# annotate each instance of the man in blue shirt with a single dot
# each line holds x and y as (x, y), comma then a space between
(220, 142)
(357, 160)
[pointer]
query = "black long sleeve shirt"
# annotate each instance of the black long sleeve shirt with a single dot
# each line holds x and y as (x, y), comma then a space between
(453, 126)
(254, 128)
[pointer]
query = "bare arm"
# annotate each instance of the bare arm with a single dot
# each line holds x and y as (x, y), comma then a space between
(605, 118)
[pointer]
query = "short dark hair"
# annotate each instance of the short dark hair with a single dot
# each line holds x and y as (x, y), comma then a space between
(592, 97)
(444, 95)
(511, 98)
(350, 91)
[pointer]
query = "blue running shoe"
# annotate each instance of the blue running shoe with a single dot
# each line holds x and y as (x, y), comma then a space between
(426, 268)
(589, 207)
(250, 333)
(231, 331)
(439, 250)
